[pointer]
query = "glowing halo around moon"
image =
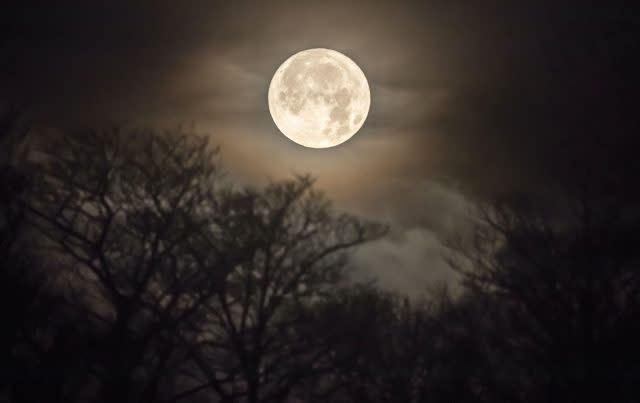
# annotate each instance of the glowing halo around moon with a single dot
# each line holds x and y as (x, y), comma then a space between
(319, 98)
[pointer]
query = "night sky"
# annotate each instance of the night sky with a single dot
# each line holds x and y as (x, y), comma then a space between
(470, 100)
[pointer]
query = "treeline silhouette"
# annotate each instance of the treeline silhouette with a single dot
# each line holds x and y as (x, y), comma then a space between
(133, 270)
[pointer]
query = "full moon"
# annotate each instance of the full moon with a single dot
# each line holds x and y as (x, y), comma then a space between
(319, 98)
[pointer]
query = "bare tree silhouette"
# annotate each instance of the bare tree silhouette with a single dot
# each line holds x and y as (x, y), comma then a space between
(388, 348)
(564, 288)
(28, 305)
(257, 344)
(132, 215)
(132, 271)
(183, 283)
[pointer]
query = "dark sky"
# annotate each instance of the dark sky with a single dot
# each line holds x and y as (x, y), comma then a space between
(469, 99)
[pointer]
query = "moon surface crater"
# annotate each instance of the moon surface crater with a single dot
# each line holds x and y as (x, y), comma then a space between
(319, 98)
